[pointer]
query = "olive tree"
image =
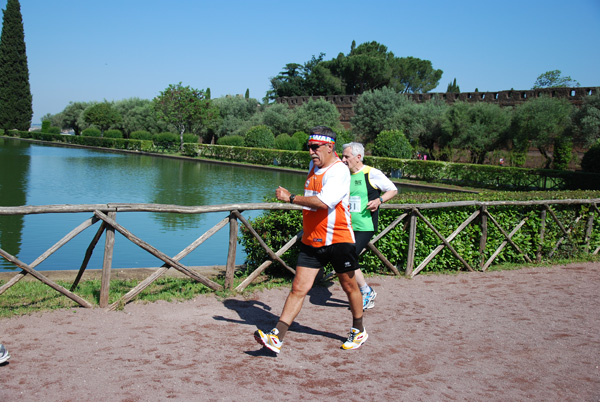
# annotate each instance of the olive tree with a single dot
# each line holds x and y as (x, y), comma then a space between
(102, 115)
(187, 109)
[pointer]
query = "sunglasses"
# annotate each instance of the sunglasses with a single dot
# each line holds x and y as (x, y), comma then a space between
(314, 147)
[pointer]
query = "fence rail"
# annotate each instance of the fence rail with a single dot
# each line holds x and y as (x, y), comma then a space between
(409, 214)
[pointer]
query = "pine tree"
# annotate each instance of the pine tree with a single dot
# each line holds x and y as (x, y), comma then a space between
(16, 108)
(247, 95)
(453, 87)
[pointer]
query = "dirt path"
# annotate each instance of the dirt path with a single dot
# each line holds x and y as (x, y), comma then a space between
(530, 334)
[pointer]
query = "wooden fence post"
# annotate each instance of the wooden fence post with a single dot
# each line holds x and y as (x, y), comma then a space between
(233, 235)
(484, 234)
(588, 228)
(412, 235)
(107, 263)
(543, 215)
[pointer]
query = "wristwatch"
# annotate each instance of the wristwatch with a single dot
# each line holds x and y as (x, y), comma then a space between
(381, 200)
(292, 196)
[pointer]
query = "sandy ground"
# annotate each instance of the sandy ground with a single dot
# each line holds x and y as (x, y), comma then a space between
(529, 334)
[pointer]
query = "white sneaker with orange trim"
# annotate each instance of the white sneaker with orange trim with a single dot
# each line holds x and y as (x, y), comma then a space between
(269, 340)
(355, 339)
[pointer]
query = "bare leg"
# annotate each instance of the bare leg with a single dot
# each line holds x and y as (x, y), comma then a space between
(348, 282)
(303, 282)
(360, 278)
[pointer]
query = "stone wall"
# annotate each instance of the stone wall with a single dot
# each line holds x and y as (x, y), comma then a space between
(345, 103)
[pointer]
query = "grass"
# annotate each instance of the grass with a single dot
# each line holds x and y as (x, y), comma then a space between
(32, 296)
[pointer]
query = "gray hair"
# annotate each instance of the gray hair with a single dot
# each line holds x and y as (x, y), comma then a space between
(357, 149)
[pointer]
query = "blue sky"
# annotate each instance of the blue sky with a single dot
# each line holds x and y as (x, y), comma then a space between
(80, 50)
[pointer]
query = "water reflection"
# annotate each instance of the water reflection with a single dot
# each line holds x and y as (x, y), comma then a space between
(44, 175)
(14, 166)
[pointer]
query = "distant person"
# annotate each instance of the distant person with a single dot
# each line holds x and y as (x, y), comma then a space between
(327, 238)
(501, 161)
(369, 188)
(4, 355)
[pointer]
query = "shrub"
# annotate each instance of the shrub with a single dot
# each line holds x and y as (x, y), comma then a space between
(46, 125)
(343, 137)
(141, 135)
(231, 140)
(259, 137)
(284, 141)
(591, 159)
(166, 141)
(277, 227)
(302, 139)
(392, 144)
(91, 132)
(113, 134)
(190, 138)
(53, 130)
(563, 153)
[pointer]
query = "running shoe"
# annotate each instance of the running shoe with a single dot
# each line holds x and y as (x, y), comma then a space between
(355, 339)
(369, 299)
(269, 340)
(4, 355)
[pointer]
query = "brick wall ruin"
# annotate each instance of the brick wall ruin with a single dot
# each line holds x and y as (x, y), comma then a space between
(345, 103)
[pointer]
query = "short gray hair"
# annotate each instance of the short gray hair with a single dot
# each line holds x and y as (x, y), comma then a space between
(357, 149)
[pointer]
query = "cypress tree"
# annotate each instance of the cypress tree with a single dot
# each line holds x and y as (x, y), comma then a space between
(16, 108)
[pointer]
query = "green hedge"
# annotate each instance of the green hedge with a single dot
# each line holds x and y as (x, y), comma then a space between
(277, 227)
(462, 174)
(116, 143)
(258, 156)
(486, 176)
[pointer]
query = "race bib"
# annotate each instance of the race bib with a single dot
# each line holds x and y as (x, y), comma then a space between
(355, 205)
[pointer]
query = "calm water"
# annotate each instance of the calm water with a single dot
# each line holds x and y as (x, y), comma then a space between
(32, 174)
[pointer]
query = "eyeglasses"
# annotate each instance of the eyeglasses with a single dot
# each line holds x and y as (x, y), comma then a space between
(314, 147)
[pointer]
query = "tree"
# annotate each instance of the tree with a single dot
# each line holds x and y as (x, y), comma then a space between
(138, 114)
(278, 117)
(289, 82)
(553, 79)
(235, 114)
(374, 112)
(313, 113)
(453, 87)
(16, 109)
(185, 108)
(422, 123)
(102, 115)
(540, 121)
(247, 95)
(477, 127)
(591, 159)
(413, 75)
(72, 116)
(368, 66)
(586, 121)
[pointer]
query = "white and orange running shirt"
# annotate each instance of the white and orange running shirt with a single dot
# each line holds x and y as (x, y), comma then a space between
(323, 227)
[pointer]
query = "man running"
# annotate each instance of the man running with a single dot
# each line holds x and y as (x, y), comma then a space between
(366, 187)
(327, 238)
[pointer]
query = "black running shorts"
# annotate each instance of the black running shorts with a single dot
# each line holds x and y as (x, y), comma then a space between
(362, 239)
(342, 257)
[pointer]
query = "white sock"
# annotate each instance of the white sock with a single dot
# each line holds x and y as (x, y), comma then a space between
(365, 289)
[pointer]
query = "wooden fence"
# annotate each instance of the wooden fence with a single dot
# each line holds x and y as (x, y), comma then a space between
(409, 214)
